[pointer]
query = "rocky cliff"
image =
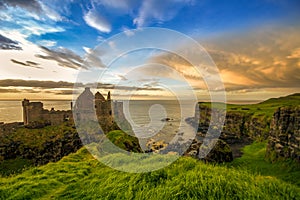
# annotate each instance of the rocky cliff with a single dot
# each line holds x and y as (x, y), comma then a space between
(284, 139)
(51, 143)
(282, 130)
(39, 145)
(238, 124)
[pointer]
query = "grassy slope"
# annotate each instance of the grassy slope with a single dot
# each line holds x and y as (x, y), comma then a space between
(79, 176)
(253, 160)
(33, 138)
(265, 108)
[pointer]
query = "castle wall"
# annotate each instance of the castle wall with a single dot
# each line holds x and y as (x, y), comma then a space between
(56, 117)
(34, 112)
(86, 106)
(104, 113)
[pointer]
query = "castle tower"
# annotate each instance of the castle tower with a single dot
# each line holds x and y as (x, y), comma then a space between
(25, 104)
(99, 100)
(109, 105)
(108, 96)
(84, 106)
(99, 97)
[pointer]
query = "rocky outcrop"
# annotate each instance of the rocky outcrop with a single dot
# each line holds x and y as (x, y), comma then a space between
(52, 149)
(219, 153)
(284, 139)
(156, 146)
(238, 124)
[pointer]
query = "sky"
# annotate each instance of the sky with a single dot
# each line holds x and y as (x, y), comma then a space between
(46, 44)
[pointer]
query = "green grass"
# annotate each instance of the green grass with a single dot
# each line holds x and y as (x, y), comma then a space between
(14, 166)
(253, 160)
(124, 141)
(80, 176)
(35, 138)
(266, 108)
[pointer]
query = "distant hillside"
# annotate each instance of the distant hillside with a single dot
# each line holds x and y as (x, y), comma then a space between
(293, 98)
(267, 107)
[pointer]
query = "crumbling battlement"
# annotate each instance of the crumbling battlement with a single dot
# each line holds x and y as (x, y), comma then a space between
(87, 107)
(34, 112)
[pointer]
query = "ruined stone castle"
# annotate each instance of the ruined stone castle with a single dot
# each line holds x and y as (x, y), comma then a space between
(89, 107)
(34, 112)
(86, 107)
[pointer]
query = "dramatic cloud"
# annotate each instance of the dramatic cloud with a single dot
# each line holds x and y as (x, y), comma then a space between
(97, 21)
(63, 84)
(30, 5)
(260, 59)
(27, 63)
(38, 9)
(159, 11)
(63, 92)
(8, 44)
(35, 84)
(5, 90)
(93, 58)
(64, 57)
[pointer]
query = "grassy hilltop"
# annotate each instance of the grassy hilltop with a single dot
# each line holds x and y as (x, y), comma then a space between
(80, 176)
(265, 108)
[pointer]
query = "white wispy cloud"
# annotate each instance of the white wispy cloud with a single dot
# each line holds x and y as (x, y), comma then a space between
(92, 58)
(25, 64)
(28, 19)
(97, 21)
(159, 11)
(51, 13)
(121, 6)
(47, 43)
(31, 27)
(128, 32)
(35, 8)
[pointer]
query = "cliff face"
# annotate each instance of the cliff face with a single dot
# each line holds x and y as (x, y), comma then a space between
(282, 130)
(238, 124)
(51, 149)
(284, 139)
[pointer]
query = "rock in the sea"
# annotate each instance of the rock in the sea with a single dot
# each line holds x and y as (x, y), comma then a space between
(156, 146)
(167, 119)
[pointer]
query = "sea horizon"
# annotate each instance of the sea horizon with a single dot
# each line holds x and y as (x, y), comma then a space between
(237, 102)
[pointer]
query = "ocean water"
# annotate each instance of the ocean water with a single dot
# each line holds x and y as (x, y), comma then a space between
(11, 111)
(145, 117)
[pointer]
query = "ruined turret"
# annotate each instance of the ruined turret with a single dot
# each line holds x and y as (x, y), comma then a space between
(108, 96)
(99, 97)
(84, 106)
(25, 104)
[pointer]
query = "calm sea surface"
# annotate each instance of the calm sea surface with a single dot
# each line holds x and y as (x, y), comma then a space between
(11, 111)
(144, 116)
